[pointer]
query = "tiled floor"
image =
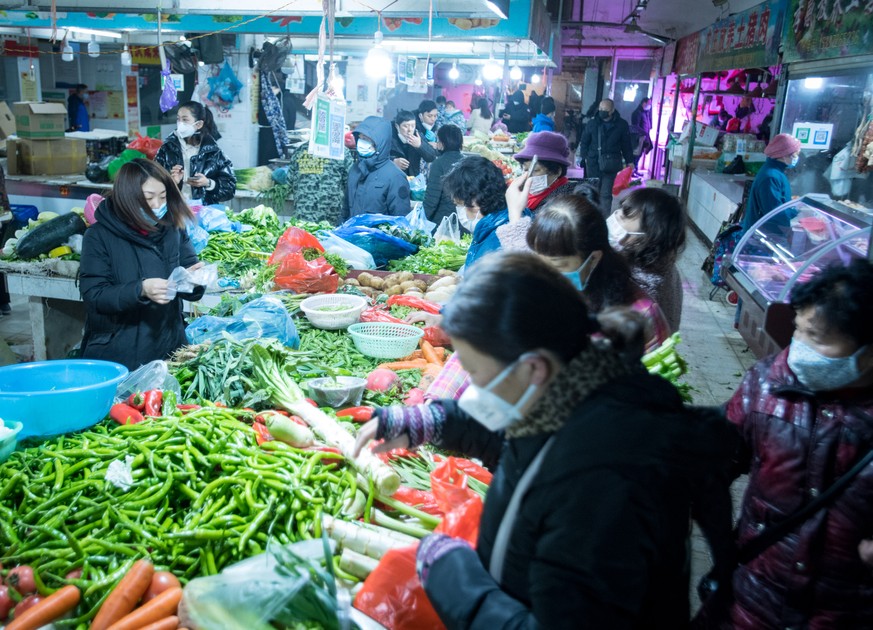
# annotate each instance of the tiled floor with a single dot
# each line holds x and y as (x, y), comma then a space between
(716, 354)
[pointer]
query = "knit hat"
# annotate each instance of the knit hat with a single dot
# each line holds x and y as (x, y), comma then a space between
(547, 146)
(782, 146)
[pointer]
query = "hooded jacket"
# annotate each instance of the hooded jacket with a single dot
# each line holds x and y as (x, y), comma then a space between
(600, 540)
(485, 239)
(209, 160)
(376, 185)
(541, 122)
(120, 324)
(796, 444)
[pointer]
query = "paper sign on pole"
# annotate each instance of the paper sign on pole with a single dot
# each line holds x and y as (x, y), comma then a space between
(327, 136)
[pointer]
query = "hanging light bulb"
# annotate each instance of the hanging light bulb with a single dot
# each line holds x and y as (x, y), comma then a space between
(478, 82)
(126, 59)
(378, 63)
(93, 47)
(67, 52)
(515, 73)
(491, 71)
(535, 79)
(453, 72)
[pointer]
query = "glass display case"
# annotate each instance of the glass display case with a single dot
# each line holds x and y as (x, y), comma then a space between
(787, 247)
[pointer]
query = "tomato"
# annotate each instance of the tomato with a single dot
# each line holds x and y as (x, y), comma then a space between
(161, 581)
(28, 602)
(21, 579)
(75, 574)
(6, 602)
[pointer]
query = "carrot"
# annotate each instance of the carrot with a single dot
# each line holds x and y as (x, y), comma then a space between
(428, 375)
(429, 353)
(125, 596)
(55, 605)
(167, 623)
(415, 364)
(157, 609)
(440, 352)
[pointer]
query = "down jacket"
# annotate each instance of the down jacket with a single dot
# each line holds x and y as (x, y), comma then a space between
(120, 324)
(209, 160)
(795, 445)
(376, 185)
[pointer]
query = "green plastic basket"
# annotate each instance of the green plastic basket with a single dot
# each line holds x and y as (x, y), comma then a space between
(382, 340)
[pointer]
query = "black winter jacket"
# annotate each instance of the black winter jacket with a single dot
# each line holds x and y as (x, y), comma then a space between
(209, 160)
(120, 324)
(376, 185)
(616, 141)
(601, 536)
(437, 203)
(413, 155)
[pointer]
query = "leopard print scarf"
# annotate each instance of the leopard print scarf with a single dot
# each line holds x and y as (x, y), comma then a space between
(589, 370)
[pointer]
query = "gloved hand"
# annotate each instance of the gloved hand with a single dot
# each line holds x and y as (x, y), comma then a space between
(432, 548)
(402, 427)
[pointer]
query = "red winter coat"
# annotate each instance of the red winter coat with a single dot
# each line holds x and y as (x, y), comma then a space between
(796, 444)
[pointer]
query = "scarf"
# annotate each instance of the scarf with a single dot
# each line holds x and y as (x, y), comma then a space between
(533, 201)
(273, 112)
(588, 371)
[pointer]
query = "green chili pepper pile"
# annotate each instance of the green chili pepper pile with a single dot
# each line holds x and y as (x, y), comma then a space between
(237, 253)
(204, 496)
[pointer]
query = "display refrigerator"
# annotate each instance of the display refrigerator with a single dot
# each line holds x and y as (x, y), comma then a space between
(786, 247)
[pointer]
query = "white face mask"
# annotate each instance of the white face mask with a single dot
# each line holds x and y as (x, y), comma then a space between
(821, 373)
(617, 233)
(365, 148)
(538, 183)
(489, 409)
(466, 222)
(185, 130)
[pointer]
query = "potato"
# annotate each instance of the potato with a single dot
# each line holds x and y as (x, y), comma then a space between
(414, 291)
(377, 283)
(446, 272)
(393, 290)
(405, 276)
(365, 279)
(406, 285)
(393, 279)
(445, 281)
(351, 282)
(421, 285)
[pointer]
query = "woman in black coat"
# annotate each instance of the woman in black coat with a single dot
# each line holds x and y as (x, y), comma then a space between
(600, 459)
(409, 145)
(438, 203)
(194, 161)
(127, 256)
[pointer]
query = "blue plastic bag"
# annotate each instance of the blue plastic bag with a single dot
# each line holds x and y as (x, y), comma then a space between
(198, 236)
(214, 219)
(383, 247)
(263, 317)
(372, 220)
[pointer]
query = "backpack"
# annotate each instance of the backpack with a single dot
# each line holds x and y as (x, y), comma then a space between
(723, 245)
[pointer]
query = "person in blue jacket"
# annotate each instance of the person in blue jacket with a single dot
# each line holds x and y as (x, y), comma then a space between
(545, 120)
(479, 192)
(77, 112)
(771, 187)
(376, 185)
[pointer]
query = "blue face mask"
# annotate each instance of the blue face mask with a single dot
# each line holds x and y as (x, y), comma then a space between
(794, 161)
(821, 373)
(365, 148)
(576, 276)
(160, 212)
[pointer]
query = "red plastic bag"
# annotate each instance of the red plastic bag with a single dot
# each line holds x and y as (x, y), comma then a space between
(377, 314)
(295, 272)
(146, 145)
(462, 507)
(435, 336)
(414, 302)
(622, 180)
(420, 499)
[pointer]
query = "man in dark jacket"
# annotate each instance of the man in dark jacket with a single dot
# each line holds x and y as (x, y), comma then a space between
(437, 203)
(516, 115)
(605, 147)
(376, 185)
(640, 126)
(805, 417)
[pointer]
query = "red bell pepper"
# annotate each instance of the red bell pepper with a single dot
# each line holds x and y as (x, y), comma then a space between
(125, 414)
(137, 401)
(358, 414)
(261, 433)
(417, 303)
(154, 398)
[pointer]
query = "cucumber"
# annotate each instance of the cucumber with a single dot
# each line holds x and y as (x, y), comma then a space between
(44, 238)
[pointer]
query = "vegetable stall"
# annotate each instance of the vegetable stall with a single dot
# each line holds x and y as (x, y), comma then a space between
(230, 467)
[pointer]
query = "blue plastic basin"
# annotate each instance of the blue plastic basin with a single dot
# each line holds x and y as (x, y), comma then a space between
(53, 397)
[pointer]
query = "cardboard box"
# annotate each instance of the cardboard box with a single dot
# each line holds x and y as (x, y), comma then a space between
(7, 121)
(39, 120)
(60, 156)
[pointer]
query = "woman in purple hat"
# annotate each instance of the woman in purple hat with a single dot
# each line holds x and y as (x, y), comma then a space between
(549, 177)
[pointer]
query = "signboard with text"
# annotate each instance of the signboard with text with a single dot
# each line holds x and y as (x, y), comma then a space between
(687, 50)
(826, 29)
(749, 39)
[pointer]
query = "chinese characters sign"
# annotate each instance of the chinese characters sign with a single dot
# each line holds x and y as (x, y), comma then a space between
(745, 40)
(826, 29)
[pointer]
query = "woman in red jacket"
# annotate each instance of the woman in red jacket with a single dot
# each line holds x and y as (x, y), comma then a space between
(806, 418)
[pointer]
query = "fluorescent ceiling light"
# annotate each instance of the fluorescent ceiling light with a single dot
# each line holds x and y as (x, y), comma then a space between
(496, 9)
(423, 47)
(813, 83)
(97, 32)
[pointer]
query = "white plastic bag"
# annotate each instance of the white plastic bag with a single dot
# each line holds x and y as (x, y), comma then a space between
(418, 219)
(182, 280)
(152, 375)
(356, 257)
(449, 230)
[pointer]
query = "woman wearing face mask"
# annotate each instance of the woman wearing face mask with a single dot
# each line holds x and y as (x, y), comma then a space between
(806, 418)
(409, 146)
(586, 521)
(549, 177)
(478, 189)
(771, 187)
(437, 202)
(127, 256)
(194, 161)
(648, 230)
